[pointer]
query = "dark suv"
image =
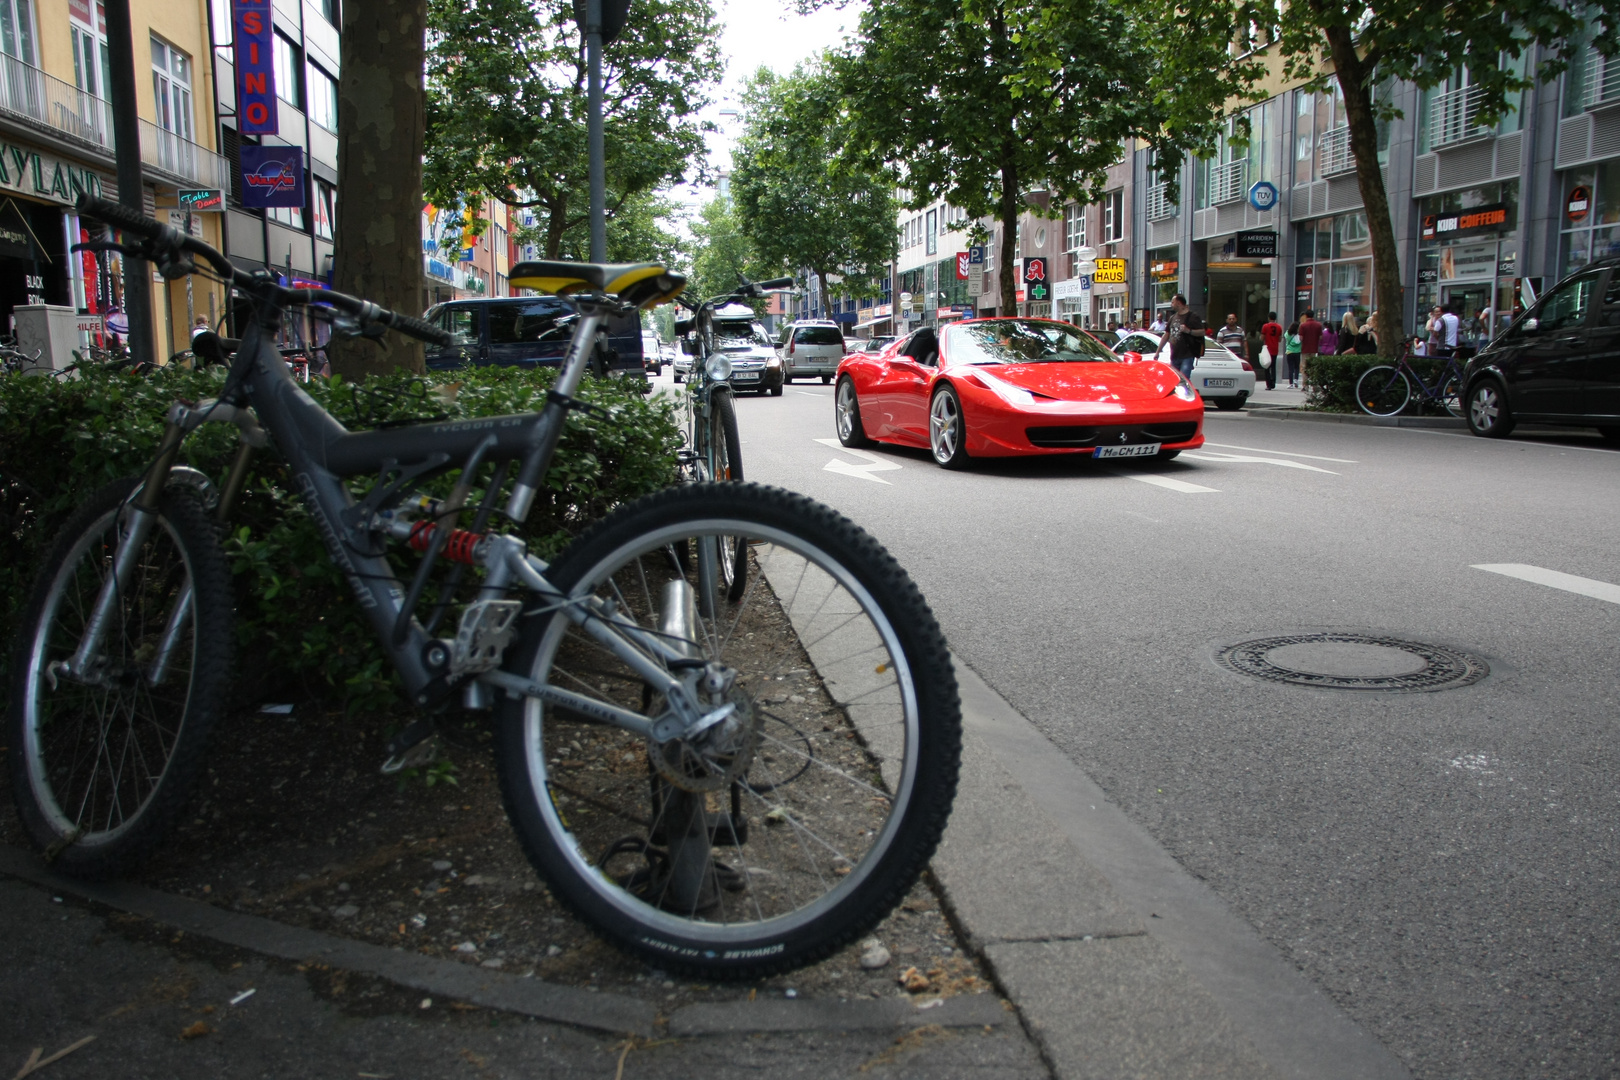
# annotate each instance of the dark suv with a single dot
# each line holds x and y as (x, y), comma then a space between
(528, 331)
(1559, 363)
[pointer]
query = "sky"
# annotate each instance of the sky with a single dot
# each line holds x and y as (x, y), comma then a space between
(762, 33)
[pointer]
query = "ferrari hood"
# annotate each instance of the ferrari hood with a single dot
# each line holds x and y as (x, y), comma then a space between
(1092, 382)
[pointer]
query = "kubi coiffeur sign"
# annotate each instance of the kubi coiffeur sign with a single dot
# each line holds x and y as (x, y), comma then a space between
(255, 68)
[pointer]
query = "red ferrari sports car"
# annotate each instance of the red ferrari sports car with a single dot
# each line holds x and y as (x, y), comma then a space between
(1003, 387)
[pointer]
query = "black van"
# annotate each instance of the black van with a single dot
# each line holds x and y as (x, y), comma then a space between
(528, 331)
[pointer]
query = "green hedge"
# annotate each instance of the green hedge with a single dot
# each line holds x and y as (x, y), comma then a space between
(60, 440)
(1330, 381)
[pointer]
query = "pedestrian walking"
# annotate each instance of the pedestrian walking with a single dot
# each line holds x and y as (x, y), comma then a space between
(1187, 340)
(1291, 349)
(1271, 333)
(1310, 340)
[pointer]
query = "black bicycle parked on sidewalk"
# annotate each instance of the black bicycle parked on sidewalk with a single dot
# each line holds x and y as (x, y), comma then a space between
(650, 761)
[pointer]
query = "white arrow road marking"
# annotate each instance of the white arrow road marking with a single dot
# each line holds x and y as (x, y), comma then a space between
(1539, 575)
(1170, 483)
(1280, 453)
(1242, 459)
(874, 464)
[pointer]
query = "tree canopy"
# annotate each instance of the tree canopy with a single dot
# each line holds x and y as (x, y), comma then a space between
(722, 252)
(506, 106)
(980, 102)
(798, 203)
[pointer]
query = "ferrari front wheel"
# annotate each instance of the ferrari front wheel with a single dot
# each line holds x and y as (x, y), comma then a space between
(947, 433)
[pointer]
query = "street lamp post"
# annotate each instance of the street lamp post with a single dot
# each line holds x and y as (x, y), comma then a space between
(602, 21)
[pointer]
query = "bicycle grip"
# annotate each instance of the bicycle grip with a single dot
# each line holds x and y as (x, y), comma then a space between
(418, 329)
(774, 283)
(119, 215)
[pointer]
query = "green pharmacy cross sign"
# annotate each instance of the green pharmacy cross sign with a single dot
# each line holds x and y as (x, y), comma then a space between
(1037, 292)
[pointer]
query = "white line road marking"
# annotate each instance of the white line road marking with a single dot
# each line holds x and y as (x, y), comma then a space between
(807, 393)
(1540, 575)
(874, 464)
(1171, 484)
(1241, 459)
(1280, 453)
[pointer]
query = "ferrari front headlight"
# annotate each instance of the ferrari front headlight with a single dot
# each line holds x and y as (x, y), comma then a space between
(1184, 390)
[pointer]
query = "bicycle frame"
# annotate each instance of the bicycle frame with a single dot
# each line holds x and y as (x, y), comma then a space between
(321, 454)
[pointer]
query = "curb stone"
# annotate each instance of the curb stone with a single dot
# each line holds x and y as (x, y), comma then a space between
(615, 1014)
(1286, 413)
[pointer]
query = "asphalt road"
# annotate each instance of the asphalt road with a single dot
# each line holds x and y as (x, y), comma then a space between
(1442, 864)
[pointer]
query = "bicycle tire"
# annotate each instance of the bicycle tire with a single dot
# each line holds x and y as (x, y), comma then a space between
(1450, 396)
(162, 729)
(592, 805)
(725, 466)
(1383, 390)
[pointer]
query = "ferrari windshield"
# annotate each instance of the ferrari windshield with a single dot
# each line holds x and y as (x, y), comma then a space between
(1023, 341)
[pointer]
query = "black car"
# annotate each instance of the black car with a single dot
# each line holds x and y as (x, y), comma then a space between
(1559, 363)
(528, 331)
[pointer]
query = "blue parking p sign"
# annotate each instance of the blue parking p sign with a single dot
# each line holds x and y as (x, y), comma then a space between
(976, 255)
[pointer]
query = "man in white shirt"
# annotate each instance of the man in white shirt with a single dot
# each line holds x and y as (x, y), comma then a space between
(1231, 335)
(1445, 328)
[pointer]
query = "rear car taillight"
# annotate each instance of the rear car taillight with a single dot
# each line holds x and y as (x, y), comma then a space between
(1247, 366)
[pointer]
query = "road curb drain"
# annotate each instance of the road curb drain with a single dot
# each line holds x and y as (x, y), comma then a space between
(1344, 661)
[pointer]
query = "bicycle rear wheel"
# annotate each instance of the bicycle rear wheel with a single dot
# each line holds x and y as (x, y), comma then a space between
(1383, 390)
(1451, 396)
(102, 762)
(797, 823)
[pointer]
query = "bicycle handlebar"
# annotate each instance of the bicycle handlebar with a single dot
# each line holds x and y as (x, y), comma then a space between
(164, 238)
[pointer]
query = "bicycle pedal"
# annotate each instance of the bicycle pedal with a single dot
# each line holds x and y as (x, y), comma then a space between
(486, 630)
(423, 753)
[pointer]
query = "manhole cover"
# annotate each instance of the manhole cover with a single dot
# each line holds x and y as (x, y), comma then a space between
(1353, 662)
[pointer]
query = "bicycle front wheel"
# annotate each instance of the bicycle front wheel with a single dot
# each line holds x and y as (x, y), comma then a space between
(1383, 390)
(795, 824)
(103, 758)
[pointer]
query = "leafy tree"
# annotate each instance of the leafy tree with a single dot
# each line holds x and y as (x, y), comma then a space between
(980, 102)
(507, 106)
(796, 201)
(378, 244)
(1348, 42)
(722, 252)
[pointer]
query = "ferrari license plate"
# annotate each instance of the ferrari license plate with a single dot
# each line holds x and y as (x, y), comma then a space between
(1139, 450)
(1220, 382)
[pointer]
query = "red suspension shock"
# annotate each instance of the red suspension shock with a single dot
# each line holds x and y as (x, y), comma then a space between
(460, 547)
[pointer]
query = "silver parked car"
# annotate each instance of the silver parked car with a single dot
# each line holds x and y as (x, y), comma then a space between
(811, 348)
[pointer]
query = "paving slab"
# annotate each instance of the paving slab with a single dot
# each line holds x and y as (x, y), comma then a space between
(971, 1010)
(1123, 1008)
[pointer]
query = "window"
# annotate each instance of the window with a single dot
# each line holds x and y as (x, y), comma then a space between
(1567, 308)
(323, 97)
(17, 30)
(547, 319)
(219, 15)
(291, 216)
(1074, 227)
(324, 219)
(171, 87)
(461, 323)
(328, 10)
(1113, 217)
(289, 84)
(931, 234)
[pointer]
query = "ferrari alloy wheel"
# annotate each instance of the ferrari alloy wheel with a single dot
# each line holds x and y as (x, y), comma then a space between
(1488, 412)
(947, 435)
(847, 413)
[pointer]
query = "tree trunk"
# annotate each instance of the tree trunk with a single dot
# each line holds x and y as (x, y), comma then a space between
(1009, 274)
(381, 122)
(556, 226)
(1358, 109)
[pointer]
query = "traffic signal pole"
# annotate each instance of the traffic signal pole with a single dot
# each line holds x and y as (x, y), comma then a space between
(127, 138)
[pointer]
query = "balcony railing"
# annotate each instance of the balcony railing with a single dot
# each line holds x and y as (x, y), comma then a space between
(1601, 83)
(1157, 205)
(1229, 182)
(182, 160)
(29, 93)
(1333, 156)
(1454, 117)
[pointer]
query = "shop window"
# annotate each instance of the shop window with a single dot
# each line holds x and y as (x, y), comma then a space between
(323, 96)
(289, 73)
